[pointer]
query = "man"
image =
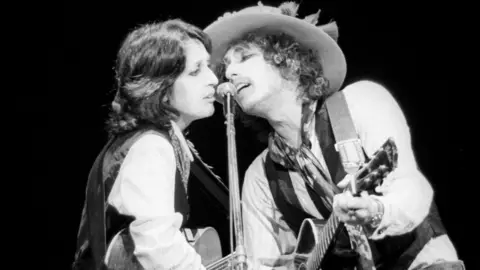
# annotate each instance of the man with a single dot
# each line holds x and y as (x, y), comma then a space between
(286, 70)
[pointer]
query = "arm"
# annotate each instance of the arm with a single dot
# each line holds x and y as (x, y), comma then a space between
(145, 189)
(406, 193)
(268, 239)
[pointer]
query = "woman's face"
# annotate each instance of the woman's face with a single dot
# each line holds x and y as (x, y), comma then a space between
(193, 92)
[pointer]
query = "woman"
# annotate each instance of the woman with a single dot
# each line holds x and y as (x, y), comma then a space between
(164, 83)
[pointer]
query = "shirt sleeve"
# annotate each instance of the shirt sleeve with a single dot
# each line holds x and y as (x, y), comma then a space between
(145, 189)
(406, 193)
(269, 242)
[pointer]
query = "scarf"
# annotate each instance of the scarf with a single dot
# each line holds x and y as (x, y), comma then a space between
(183, 155)
(301, 159)
(304, 162)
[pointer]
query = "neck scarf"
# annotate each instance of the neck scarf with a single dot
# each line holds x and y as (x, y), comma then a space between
(303, 161)
(183, 155)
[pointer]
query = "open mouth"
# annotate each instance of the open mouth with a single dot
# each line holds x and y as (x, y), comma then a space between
(242, 86)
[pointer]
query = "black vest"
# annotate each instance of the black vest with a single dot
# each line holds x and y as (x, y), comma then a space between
(392, 252)
(106, 166)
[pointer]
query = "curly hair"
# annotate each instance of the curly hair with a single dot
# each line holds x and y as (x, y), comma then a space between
(293, 62)
(149, 61)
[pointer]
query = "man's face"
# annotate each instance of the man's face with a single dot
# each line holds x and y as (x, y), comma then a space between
(255, 79)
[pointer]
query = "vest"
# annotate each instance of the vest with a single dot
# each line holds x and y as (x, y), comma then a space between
(105, 170)
(392, 252)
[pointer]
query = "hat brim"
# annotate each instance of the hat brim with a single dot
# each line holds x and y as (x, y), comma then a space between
(228, 29)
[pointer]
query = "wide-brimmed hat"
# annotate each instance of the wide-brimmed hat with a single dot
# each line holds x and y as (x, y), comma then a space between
(263, 19)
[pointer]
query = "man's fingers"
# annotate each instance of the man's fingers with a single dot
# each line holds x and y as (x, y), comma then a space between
(341, 201)
(345, 181)
(362, 214)
(358, 203)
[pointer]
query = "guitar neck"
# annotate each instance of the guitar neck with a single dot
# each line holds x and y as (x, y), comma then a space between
(326, 237)
(369, 176)
(223, 263)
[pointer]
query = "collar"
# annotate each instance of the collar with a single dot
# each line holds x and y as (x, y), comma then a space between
(307, 125)
(181, 138)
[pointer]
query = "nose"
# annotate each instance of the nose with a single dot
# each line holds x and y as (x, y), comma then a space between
(231, 71)
(212, 78)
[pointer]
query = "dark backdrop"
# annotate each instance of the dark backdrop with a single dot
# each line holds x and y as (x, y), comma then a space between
(401, 46)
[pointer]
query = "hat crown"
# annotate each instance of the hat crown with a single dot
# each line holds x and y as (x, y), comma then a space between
(288, 9)
(260, 8)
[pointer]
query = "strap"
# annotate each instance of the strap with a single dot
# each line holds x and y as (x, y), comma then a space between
(342, 124)
(205, 174)
(217, 188)
(348, 144)
(284, 196)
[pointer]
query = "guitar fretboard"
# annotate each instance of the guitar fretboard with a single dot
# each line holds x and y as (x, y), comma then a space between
(325, 239)
(223, 263)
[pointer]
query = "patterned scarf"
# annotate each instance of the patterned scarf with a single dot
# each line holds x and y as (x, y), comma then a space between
(183, 156)
(303, 161)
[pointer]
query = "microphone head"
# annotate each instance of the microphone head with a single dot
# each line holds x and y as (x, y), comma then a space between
(226, 88)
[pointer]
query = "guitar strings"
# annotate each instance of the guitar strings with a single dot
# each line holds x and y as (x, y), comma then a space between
(220, 264)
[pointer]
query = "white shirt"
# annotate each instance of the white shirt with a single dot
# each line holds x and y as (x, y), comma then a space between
(145, 189)
(407, 194)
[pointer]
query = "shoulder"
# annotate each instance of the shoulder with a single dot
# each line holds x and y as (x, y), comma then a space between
(369, 95)
(257, 167)
(151, 145)
(366, 90)
(256, 189)
(152, 140)
(255, 176)
(377, 116)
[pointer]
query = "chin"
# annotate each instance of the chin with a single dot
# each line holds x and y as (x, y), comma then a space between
(247, 107)
(208, 111)
(201, 113)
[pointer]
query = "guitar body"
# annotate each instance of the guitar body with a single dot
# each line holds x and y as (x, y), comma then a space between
(316, 236)
(205, 241)
(308, 237)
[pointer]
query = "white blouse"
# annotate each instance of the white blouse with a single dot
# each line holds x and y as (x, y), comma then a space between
(145, 189)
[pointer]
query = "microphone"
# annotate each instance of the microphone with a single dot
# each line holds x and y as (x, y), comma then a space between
(226, 91)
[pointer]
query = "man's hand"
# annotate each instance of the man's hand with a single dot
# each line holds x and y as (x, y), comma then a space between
(356, 210)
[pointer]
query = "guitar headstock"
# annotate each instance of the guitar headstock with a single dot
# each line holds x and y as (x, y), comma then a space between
(375, 170)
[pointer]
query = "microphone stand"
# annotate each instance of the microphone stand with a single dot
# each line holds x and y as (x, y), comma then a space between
(234, 187)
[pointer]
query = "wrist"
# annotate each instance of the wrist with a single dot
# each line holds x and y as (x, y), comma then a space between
(377, 213)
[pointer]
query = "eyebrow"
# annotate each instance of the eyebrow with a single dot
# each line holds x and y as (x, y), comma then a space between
(198, 63)
(237, 49)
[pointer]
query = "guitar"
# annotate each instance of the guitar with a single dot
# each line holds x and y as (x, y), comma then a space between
(205, 241)
(315, 236)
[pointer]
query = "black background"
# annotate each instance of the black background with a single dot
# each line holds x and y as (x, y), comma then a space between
(402, 46)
